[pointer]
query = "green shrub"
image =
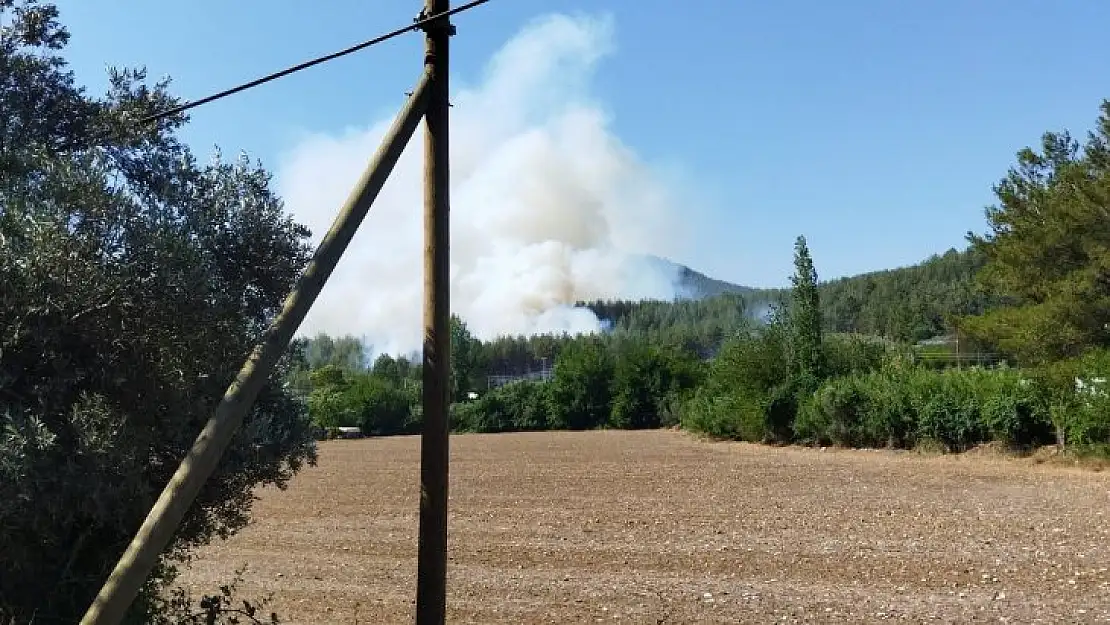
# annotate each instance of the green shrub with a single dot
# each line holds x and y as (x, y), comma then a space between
(516, 407)
(637, 385)
(755, 375)
(947, 410)
(1013, 411)
(780, 409)
(900, 407)
(889, 419)
(489, 413)
(329, 405)
(670, 408)
(529, 403)
(647, 382)
(381, 408)
(728, 416)
(581, 389)
(372, 402)
(864, 410)
(846, 354)
(742, 385)
(461, 416)
(832, 414)
(1082, 415)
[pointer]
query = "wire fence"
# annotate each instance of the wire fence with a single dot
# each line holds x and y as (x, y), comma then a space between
(536, 375)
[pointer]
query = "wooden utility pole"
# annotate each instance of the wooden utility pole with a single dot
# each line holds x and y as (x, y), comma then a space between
(431, 575)
(154, 535)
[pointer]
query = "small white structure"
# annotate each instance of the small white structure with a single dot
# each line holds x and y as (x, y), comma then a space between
(1094, 387)
(349, 432)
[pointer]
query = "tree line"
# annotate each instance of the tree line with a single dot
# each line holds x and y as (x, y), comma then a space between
(835, 362)
(906, 304)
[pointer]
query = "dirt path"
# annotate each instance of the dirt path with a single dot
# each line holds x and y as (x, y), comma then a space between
(657, 527)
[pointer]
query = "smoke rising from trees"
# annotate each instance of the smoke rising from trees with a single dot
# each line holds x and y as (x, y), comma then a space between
(548, 206)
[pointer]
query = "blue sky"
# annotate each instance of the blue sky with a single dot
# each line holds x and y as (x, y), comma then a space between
(875, 128)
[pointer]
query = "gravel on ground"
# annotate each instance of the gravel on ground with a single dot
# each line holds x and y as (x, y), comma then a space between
(660, 527)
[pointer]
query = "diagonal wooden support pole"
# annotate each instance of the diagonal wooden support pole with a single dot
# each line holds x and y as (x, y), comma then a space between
(154, 535)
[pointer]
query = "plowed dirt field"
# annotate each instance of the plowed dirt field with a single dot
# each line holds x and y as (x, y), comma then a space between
(658, 527)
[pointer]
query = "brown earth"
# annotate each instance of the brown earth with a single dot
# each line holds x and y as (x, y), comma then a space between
(658, 527)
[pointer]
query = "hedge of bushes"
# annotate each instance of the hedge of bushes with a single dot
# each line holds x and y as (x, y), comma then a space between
(750, 392)
(875, 398)
(870, 395)
(900, 408)
(523, 406)
(597, 383)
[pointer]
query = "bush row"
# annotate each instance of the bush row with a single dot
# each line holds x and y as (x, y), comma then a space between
(750, 392)
(875, 398)
(900, 408)
(597, 383)
(869, 396)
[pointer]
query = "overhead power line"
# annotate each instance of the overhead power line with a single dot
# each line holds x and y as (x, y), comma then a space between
(418, 23)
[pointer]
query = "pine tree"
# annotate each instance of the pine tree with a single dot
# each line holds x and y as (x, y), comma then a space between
(1047, 251)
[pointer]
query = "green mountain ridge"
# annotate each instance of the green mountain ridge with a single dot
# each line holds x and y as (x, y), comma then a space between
(905, 303)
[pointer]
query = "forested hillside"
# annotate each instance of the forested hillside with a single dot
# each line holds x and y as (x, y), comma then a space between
(903, 304)
(909, 303)
(906, 304)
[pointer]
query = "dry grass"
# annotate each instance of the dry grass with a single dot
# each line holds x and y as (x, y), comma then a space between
(650, 527)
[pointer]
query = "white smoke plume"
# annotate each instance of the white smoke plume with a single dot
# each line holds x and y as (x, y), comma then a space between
(548, 207)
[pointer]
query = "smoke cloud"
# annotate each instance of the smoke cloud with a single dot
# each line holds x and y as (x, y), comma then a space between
(548, 207)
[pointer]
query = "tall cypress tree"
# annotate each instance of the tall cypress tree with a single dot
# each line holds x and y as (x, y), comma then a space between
(807, 361)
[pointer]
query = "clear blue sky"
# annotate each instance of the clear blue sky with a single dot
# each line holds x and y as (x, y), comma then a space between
(876, 128)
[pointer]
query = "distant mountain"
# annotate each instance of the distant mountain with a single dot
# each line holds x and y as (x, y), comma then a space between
(693, 284)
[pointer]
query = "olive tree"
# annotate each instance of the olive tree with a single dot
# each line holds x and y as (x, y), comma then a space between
(133, 282)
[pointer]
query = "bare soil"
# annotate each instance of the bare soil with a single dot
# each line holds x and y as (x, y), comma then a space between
(659, 527)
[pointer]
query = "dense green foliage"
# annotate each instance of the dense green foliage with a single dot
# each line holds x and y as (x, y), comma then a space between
(375, 403)
(902, 407)
(133, 283)
(581, 391)
(807, 362)
(597, 382)
(1048, 250)
(907, 304)
(516, 407)
(736, 399)
(650, 383)
(696, 325)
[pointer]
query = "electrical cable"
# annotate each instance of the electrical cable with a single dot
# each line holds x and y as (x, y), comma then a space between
(418, 23)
